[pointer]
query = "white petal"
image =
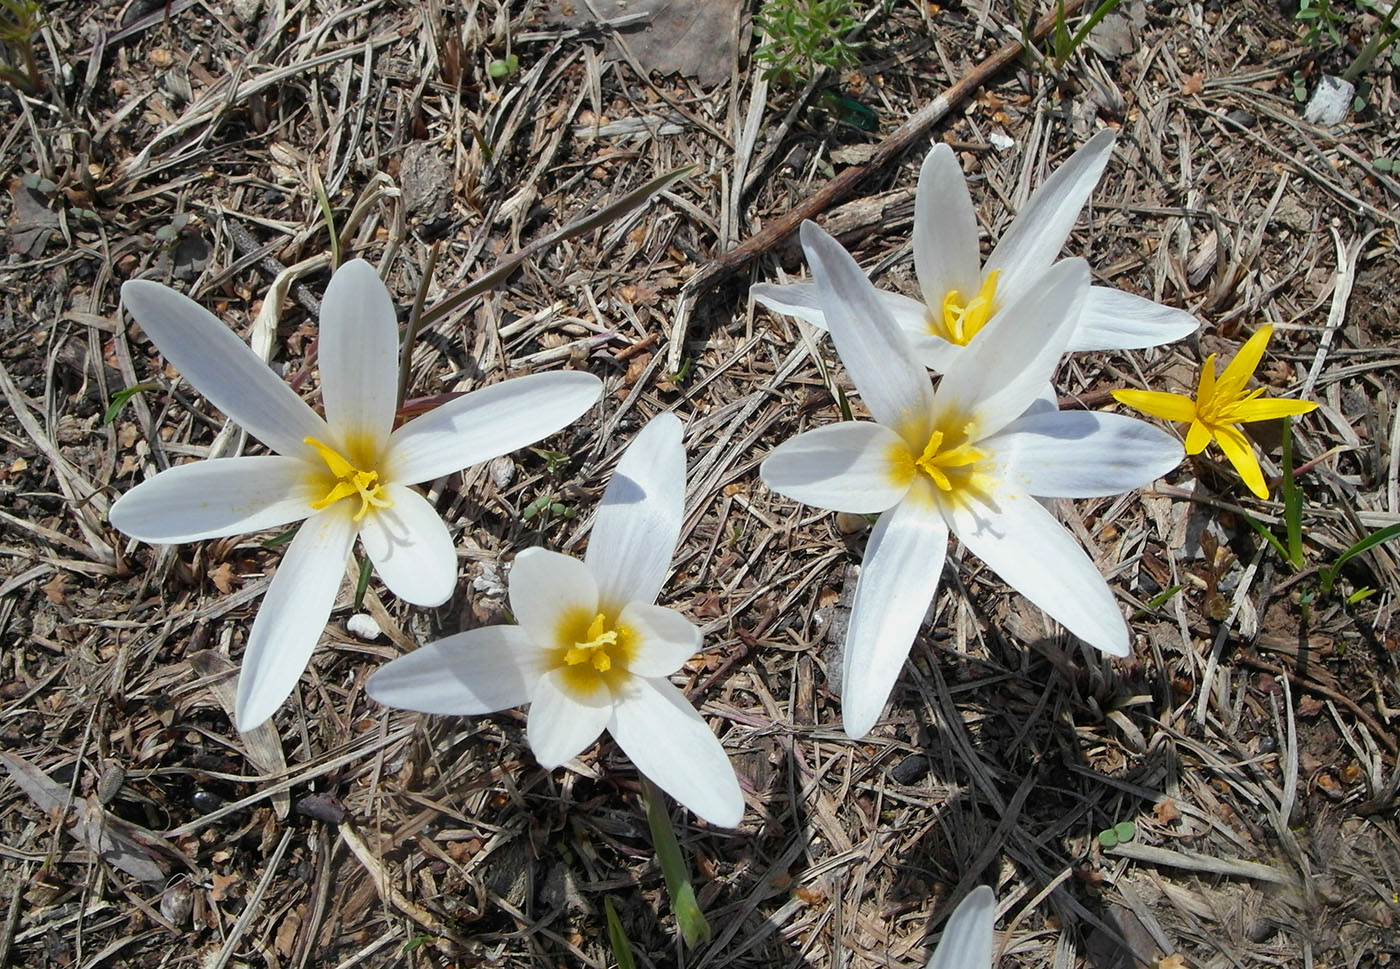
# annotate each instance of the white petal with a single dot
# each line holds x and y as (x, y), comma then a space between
(1115, 320)
(967, 938)
(477, 671)
(561, 722)
(411, 548)
(1013, 358)
(211, 499)
(669, 742)
(222, 367)
(911, 316)
(946, 254)
(903, 562)
(792, 299)
(1038, 233)
(1084, 454)
(665, 638)
(873, 348)
(849, 466)
(545, 588)
(639, 519)
(487, 423)
(359, 354)
(1024, 544)
(293, 613)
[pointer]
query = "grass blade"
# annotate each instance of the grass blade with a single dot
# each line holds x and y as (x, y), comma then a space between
(1329, 575)
(617, 938)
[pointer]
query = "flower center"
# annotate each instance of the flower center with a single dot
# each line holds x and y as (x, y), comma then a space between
(348, 481)
(951, 468)
(960, 321)
(595, 650)
(592, 651)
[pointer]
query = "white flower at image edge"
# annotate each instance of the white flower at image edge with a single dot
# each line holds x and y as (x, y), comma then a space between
(347, 474)
(966, 942)
(591, 651)
(968, 459)
(961, 295)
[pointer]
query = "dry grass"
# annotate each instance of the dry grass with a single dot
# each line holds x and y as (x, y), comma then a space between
(1250, 738)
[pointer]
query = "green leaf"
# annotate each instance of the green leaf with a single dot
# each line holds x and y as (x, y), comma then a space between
(1125, 831)
(1329, 575)
(1157, 601)
(362, 583)
(279, 540)
(120, 398)
(1108, 838)
(1268, 536)
(617, 938)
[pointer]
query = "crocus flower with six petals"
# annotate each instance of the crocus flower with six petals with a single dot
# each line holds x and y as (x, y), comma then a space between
(962, 295)
(346, 474)
(1220, 406)
(966, 458)
(592, 651)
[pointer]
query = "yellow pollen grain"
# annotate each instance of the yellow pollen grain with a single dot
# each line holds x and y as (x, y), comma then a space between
(348, 481)
(957, 321)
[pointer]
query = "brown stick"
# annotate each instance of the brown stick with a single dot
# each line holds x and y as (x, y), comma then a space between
(845, 183)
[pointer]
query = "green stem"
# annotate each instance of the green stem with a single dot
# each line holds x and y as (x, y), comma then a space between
(689, 919)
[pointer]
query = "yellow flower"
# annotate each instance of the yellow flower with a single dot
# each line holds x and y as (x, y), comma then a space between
(1220, 406)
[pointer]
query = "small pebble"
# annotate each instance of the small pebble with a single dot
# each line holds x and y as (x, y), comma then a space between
(363, 626)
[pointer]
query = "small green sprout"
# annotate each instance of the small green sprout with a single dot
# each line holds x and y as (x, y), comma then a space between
(503, 67)
(1120, 833)
(120, 398)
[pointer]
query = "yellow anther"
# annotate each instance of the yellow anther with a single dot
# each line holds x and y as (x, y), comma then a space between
(350, 481)
(959, 322)
(595, 650)
(936, 463)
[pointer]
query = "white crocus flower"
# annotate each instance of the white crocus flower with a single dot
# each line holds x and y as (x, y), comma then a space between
(591, 650)
(966, 942)
(961, 295)
(966, 458)
(347, 475)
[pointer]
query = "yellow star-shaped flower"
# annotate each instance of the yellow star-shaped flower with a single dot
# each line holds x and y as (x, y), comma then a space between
(1220, 406)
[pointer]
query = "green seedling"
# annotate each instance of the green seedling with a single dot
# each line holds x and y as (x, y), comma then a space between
(680, 377)
(1329, 575)
(805, 37)
(617, 938)
(37, 182)
(20, 23)
(120, 398)
(503, 67)
(1063, 44)
(548, 503)
(554, 461)
(689, 919)
(1320, 17)
(1120, 833)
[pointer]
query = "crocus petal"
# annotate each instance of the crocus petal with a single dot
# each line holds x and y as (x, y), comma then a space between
(359, 354)
(211, 499)
(1236, 374)
(793, 299)
(1269, 408)
(639, 519)
(1084, 454)
(665, 638)
(1240, 454)
(411, 548)
(547, 588)
(1205, 386)
(1003, 371)
(1171, 407)
(562, 722)
(946, 255)
(293, 613)
(477, 671)
(1038, 233)
(222, 367)
(1197, 437)
(873, 348)
(967, 938)
(853, 466)
(487, 423)
(1115, 320)
(903, 562)
(1034, 554)
(669, 742)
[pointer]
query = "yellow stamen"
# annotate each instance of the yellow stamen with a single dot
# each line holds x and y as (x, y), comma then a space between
(595, 650)
(959, 322)
(936, 463)
(349, 481)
